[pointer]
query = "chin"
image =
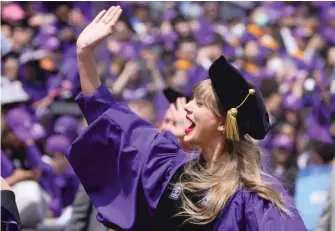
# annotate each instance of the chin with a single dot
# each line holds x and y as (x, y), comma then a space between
(191, 139)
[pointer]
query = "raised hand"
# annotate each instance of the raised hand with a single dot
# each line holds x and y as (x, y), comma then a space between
(178, 117)
(99, 29)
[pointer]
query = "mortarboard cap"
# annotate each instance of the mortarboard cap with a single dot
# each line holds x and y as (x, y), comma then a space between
(240, 102)
(172, 95)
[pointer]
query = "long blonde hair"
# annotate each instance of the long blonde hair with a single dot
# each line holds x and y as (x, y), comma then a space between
(240, 167)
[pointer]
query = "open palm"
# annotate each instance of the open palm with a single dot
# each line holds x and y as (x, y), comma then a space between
(99, 29)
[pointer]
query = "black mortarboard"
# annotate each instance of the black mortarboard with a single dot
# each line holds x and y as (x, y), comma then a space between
(240, 102)
(172, 95)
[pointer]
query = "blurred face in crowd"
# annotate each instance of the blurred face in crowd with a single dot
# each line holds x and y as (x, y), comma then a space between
(169, 121)
(59, 163)
(178, 80)
(122, 32)
(10, 138)
(187, 51)
(251, 50)
(292, 116)
(287, 129)
(21, 36)
(142, 14)
(211, 10)
(331, 56)
(183, 28)
(6, 31)
(62, 12)
(273, 103)
(10, 68)
(144, 109)
(332, 129)
(281, 155)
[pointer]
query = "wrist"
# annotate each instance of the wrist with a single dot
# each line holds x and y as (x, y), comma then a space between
(83, 52)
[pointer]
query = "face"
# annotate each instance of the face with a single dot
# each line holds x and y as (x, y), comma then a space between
(281, 155)
(60, 163)
(187, 50)
(144, 111)
(202, 124)
(122, 32)
(179, 79)
(183, 28)
(292, 117)
(288, 130)
(10, 68)
(168, 121)
(331, 56)
(273, 104)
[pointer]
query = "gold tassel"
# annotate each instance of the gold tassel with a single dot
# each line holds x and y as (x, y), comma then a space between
(232, 132)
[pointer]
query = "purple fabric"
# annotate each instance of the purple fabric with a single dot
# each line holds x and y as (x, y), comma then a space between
(68, 126)
(282, 141)
(57, 144)
(316, 131)
(7, 166)
(61, 188)
(292, 103)
(19, 120)
(132, 154)
(34, 155)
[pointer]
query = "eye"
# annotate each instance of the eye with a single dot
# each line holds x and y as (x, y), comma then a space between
(199, 103)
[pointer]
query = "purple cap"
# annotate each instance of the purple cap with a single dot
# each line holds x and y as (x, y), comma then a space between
(291, 102)
(51, 44)
(68, 126)
(316, 131)
(282, 141)
(57, 143)
(328, 14)
(287, 11)
(19, 120)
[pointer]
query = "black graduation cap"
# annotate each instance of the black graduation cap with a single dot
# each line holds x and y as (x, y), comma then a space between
(240, 102)
(172, 95)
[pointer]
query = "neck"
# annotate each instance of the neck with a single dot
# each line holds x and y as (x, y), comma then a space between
(212, 150)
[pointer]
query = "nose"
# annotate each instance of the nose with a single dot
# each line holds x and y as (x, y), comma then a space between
(188, 108)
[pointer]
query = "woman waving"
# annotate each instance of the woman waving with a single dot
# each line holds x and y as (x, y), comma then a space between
(140, 179)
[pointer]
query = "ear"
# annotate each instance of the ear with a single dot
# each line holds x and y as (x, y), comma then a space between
(222, 127)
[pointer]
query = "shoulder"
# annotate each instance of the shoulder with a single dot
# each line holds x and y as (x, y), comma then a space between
(248, 211)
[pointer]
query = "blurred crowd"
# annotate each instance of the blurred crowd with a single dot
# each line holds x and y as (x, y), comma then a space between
(287, 49)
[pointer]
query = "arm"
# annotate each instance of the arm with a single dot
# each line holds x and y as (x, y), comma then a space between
(92, 36)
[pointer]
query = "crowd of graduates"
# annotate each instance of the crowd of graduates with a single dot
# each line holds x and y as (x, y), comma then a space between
(287, 49)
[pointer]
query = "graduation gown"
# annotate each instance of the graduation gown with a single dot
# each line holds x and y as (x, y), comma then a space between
(126, 165)
(10, 218)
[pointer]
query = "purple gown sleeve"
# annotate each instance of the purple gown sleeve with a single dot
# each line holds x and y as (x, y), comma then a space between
(93, 106)
(118, 155)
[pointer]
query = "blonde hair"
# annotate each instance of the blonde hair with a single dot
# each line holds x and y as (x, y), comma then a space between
(240, 167)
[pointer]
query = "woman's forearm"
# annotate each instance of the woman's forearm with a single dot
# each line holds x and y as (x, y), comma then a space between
(89, 79)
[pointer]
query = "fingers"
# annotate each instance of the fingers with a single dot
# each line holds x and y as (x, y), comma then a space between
(99, 16)
(115, 17)
(112, 15)
(181, 102)
(173, 110)
(106, 17)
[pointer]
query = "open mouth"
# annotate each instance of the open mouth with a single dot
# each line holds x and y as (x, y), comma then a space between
(191, 127)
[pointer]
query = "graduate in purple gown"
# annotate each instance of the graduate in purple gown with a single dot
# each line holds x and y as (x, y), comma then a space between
(10, 218)
(140, 179)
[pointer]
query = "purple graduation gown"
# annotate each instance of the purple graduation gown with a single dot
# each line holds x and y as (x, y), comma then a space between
(125, 166)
